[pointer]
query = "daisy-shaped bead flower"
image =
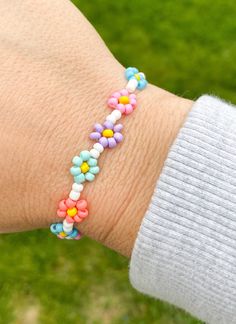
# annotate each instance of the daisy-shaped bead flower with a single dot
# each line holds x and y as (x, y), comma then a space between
(57, 229)
(108, 134)
(73, 211)
(123, 101)
(85, 167)
(131, 73)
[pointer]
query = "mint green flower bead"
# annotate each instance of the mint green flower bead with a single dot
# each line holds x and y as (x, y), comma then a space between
(79, 178)
(80, 171)
(85, 155)
(89, 176)
(94, 170)
(75, 170)
(77, 160)
(92, 162)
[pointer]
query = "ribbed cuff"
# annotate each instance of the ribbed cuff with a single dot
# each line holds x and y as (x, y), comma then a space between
(185, 252)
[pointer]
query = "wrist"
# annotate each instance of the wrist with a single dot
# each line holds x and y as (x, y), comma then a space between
(136, 165)
(120, 195)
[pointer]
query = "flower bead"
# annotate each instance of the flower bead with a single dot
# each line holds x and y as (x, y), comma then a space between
(133, 73)
(123, 101)
(57, 229)
(108, 134)
(73, 211)
(85, 167)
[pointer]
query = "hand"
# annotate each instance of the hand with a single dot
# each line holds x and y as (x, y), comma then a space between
(56, 76)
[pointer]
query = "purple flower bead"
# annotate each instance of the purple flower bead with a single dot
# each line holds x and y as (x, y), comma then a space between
(103, 141)
(108, 134)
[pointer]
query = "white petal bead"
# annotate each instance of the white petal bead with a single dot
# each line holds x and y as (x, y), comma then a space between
(111, 118)
(74, 195)
(67, 227)
(132, 85)
(117, 114)
(94, 153)
(98, 147)
(78, 187)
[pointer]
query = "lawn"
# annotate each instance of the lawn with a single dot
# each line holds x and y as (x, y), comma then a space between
(187, 47)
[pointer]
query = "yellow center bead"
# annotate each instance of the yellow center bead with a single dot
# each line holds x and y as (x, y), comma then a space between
(137, 76)
(63, 234)
(124, 100)
(84, 167)
(107, 133)
(72, 211)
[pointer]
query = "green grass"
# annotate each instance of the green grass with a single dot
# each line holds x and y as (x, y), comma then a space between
(187, 47)
(47, 279)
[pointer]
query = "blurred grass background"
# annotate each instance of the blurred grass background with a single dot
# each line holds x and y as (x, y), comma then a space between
(187, 47)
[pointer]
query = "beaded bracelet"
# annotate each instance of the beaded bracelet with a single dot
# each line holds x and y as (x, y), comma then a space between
(85, 166)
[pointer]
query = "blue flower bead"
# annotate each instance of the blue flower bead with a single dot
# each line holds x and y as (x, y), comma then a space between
(133, 73)
(57, 229)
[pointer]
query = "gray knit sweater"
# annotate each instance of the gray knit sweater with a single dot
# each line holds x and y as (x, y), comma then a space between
(185, 252)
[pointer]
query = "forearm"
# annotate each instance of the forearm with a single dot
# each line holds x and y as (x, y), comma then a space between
(49, 105)
(42, 144)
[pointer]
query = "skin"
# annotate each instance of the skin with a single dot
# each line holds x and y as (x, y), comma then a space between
(56, 76)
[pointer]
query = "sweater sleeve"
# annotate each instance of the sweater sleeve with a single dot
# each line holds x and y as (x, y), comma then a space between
(185, 251)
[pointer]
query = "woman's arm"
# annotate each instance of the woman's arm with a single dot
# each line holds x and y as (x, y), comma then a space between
(56, 76)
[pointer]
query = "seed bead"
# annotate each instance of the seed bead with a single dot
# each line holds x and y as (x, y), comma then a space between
(124, 100)
(107, 133)
(117, 114)
(78, 187)
(72, 211)
(74, 195)
(84, 167)
(67, 227)
(111, 118)
(95, 153)
(132, 85)
(98, 147)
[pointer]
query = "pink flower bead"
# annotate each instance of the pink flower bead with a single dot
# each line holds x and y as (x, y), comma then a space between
(73, 211)
(124, 101)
